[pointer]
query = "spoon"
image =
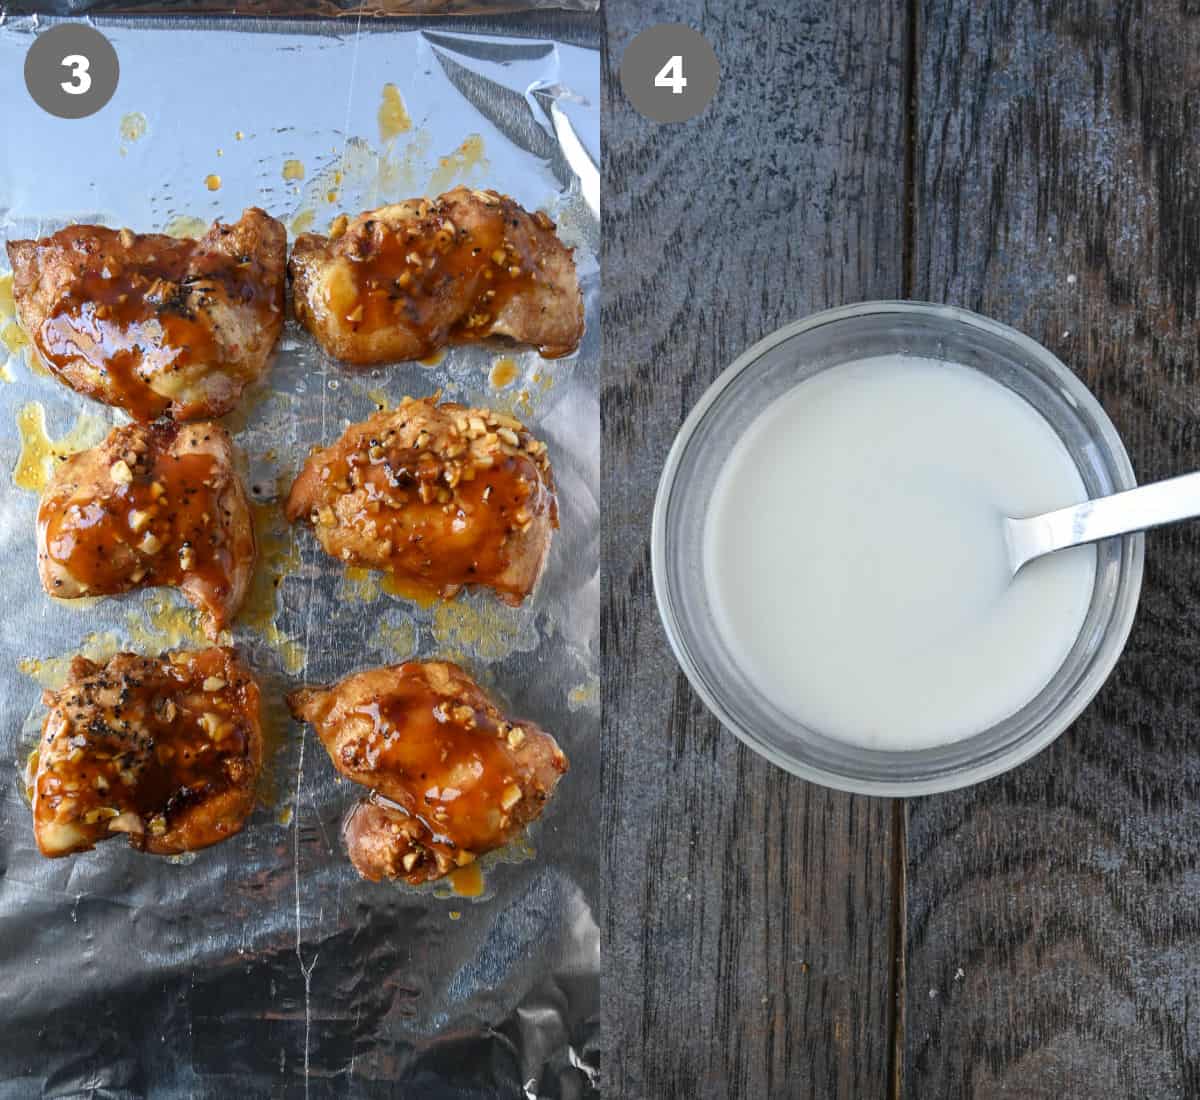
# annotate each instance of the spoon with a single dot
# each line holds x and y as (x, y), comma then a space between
(1120, 514)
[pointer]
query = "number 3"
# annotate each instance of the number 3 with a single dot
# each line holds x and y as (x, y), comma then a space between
(81, 79)
(671, 76)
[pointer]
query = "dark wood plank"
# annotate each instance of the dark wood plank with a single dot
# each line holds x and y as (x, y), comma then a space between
(748, 931)
(1053, 931)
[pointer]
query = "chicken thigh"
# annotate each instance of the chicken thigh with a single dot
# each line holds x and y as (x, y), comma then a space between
(460, 777)
(440, 496)
(404, 280)
(165, 750)
(155, 325)
(154, 504)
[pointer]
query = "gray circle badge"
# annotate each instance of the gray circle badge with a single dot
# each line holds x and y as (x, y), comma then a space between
(71, 70)
(670, 72)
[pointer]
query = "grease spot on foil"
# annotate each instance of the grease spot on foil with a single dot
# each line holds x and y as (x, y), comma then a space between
(398, 641)
(133, 126)
(457, 165)
(359, 585)
(366, 177)
(39, 453)
(503, 373)
(525, 402)
(15, 342)
(293, 169)
(51, 672)
(186, 225)
(212, 182)
(164, 624)
(393, 117)
(278, 558)
(397, 176)
(479, 628)
(161, 624)
(584, 695)
(302, 222)
(11, 334)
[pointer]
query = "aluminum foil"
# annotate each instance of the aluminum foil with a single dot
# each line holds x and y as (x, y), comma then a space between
(264, 966)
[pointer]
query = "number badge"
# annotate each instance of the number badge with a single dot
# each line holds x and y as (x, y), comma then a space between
(670, 72)
(71, 70)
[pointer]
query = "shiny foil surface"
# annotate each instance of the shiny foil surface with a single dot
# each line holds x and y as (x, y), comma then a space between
(264, 966)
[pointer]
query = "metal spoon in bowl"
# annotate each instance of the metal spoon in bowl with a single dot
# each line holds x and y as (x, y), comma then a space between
(1120, 514)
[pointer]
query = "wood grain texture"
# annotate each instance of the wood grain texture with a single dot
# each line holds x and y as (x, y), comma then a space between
(1053, 931)
(749, 915)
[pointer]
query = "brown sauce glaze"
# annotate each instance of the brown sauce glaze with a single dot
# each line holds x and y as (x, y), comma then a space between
(451, 758)
(441, 539)
(413, 271)
(441, 497)
(140, 320)
(168, 504)
(155, 504)
(165, 750)
(404, 280)
(428, 740)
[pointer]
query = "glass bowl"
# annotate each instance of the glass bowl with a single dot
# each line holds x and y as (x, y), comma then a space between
(776, 365)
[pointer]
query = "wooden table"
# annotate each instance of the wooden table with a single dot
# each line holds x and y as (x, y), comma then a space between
(1038, 935)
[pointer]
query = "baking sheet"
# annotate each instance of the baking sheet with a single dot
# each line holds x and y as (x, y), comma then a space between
(265, 966)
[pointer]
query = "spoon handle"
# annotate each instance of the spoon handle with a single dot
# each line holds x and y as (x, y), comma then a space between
(1134, 510)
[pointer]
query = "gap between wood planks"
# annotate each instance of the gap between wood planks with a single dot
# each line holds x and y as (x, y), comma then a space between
(897, 937)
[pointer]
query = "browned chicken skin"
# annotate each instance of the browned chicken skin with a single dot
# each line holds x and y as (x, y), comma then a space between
(463, 778)
(404, 280)
(154, 504)
(155, 325)
(440, 496)
(166, 750)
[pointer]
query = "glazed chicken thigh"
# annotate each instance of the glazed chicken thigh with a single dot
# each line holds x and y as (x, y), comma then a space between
(154, 504)
(460, 777)
(165, 750)
(152, 324)
(404, 280)
(440, 496)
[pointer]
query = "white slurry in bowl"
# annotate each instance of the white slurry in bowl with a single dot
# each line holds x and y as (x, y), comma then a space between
(855, 560)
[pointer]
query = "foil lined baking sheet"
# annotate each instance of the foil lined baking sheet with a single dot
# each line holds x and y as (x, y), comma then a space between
(264, 966)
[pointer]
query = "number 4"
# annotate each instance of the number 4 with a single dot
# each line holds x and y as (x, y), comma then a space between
(671, 75)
